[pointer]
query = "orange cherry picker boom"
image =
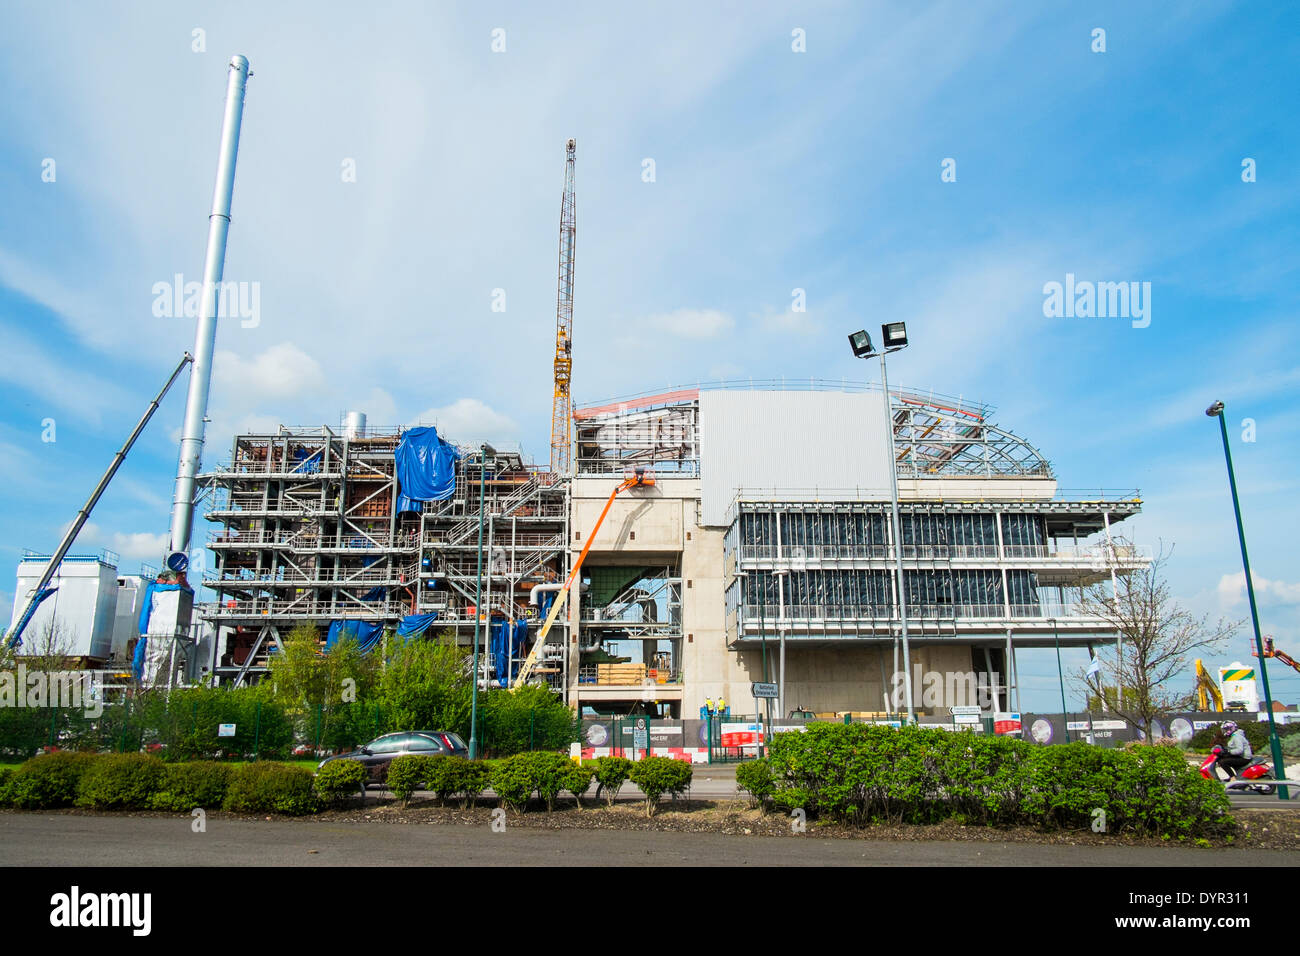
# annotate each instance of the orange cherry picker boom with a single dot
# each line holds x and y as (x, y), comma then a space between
(640, 478)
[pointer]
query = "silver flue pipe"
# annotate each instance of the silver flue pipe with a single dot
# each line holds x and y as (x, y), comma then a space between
(196, 403)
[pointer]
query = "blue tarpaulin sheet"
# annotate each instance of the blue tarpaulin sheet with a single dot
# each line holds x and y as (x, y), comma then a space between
(142, 623)
(426, 468)
(365, 633)
(413, 625)
(146, 605)
(513, 632)
(307, 463)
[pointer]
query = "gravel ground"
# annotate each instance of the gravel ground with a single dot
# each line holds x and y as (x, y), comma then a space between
(1260, 829)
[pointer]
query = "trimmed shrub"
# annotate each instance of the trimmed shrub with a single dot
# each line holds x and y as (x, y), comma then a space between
(754, 777)
(611, 774)
(48, 781)
(659, 775)
(473, 777)
(120, 782)
(340, 780)
(270, 788)
(5, 774)
(406, 774)
(577, 779)
(186, 786)
(442, 776)
(512, 779)
(549, 774)
(859, 773)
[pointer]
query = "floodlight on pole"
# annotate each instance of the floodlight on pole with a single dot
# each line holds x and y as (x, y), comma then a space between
(1275, 744)
(894, 337)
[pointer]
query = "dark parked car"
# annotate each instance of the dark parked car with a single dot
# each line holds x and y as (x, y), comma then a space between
(380, 752)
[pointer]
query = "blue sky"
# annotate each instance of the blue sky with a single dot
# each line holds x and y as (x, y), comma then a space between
(774, 170)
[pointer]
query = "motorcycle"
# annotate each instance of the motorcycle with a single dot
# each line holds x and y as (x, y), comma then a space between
(1250, 778)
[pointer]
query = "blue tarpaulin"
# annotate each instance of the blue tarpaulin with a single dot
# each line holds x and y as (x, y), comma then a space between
(426, 468)
(142, 623)
(413, 625)
(146, 604)
(544, 602)
(513, 632)
(365, 633)
(307, 463)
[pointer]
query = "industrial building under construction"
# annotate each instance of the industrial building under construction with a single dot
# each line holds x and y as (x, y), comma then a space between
(766, 533)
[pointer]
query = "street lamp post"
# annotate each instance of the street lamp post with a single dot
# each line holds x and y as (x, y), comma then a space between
(1275, 744)
(1065, 714)
(895, 338)
(485, 452)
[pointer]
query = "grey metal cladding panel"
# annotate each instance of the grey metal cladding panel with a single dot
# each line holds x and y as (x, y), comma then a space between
(797, 444)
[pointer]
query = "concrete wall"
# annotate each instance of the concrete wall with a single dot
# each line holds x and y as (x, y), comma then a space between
(661, 523)
(640, 521)
(976, 489)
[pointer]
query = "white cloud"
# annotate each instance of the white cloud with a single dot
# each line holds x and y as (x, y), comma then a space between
(468, 421)
(1232, 590)
(691, 323)
(282, 371)
(140, 545)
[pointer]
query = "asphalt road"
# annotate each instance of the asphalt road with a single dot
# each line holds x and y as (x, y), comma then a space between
(66, 840)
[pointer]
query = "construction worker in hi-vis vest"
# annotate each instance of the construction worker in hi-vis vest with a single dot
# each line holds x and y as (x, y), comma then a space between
(722, 705)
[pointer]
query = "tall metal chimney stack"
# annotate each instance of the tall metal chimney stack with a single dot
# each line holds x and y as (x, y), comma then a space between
(214, 264)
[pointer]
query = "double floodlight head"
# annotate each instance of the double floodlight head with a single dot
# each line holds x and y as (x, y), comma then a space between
(893, 334)
(1215, 410)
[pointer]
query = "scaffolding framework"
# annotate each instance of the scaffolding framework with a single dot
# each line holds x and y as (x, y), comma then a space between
(308, 532)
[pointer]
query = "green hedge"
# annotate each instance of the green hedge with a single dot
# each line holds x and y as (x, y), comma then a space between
(270, 788)
(338, 781)
(47, 781)
(860, 773)
(188, 786)
(121, 782)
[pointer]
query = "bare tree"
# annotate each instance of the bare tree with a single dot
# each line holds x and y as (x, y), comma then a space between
(48, 647)
(1159, 639)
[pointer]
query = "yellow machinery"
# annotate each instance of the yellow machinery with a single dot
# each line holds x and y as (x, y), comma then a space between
(1206, 689)
(640, 478)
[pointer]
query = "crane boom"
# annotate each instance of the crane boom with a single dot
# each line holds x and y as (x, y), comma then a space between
(40, 592)
(639, 478)
(562, 407)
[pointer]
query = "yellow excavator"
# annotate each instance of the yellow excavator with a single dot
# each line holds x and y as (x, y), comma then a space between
(639, 478)
(1207, 690)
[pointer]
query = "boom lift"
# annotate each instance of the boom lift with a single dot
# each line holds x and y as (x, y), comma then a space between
(1283, 656)
(640, 478)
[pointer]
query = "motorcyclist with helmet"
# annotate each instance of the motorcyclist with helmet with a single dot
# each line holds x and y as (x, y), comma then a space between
(1237, 752)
